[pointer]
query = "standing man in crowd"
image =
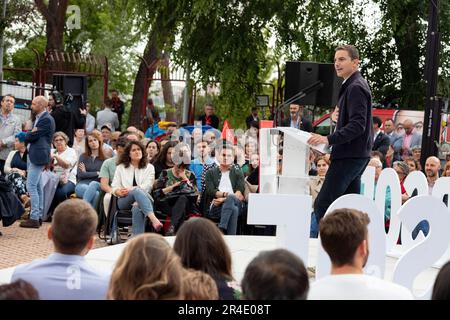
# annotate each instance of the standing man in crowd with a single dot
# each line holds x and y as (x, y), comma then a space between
(107, 116)
(90, 119)
(395, 139)
(39, 141)
(209, 118)
(296, 119)
(381, 141)
(352, 140)
(10, 125)
(410, 138)
(253, 117)
(117, 106)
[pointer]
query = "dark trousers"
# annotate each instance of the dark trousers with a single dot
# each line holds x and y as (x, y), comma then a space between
(343, 177)
(2, 165)
(176, 209)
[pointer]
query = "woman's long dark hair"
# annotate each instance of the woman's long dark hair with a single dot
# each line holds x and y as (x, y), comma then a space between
(125, 159)
(161, 156)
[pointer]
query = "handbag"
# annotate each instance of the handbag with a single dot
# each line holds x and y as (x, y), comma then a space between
(184, 189)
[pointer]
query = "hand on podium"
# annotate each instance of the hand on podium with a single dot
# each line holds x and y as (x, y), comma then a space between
(317, 139)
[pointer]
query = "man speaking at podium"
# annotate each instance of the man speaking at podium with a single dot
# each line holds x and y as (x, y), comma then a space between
(352, 140)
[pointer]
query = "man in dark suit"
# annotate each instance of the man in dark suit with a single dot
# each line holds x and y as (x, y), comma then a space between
(39, 142)
(296, 119)
(381, 141)
(353, 138)
(209, 118)
(253, 117)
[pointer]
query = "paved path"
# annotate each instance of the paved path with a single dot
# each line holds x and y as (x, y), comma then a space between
(20, 245)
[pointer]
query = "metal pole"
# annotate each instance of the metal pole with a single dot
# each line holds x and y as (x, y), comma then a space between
(1, 44)
(186, 94)
(433, 105)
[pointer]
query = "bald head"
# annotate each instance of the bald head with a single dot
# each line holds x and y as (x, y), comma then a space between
(408, 125)
(39, 104)
(432, 166)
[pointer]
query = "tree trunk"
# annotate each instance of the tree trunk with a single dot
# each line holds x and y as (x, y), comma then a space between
(55, 18)
(167, 91)
(137, 113)
(408, 40)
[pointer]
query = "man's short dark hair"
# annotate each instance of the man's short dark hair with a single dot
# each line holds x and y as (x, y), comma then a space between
(122, 142)
(389, 120)
(8, 95)
(352, 51)
(73, 225)
(254, 108)
(108, 103)
(377, 120)
(209, 104)
(341, 232)
(275, 275)
(114, 90)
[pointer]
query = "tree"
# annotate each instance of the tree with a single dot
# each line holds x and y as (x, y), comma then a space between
(55, 16)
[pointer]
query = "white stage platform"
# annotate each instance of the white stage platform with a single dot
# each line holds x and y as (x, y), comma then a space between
(243, 250)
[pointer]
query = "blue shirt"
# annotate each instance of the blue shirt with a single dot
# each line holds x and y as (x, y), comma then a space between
(197, 168)
(64, 277)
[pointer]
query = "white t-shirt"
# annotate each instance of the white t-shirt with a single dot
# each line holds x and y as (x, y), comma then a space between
(225, 183)
(357, 287)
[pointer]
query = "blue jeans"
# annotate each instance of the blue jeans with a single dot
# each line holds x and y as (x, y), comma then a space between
(314, 231)
(231, 209)
(343, 177)
(140, 212)
(422, 226)
(34, 187)
(91, 193)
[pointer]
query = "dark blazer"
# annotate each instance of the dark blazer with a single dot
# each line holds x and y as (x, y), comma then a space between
(381, 143)
(67, 119)
(305, 124)
(214, 120)
(353, 137)
(249, 120)
(41, 140)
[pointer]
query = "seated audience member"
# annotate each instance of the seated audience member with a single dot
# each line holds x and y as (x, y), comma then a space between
(132, 183)
(197, 285)
(147, 269)
(316, 182)
(225, 191)
(106, 134)
(164, 160)
(201, 160)
(152, 147)
(18, 290)
(16, 169)
(416, 152)
(446, 171)
(106, 174)
(441, 288)
(79, 143)
(275, 275)
(344, 237)
(413, 164)
(63, 159)
(107, 149)
(202, 247)
(88, 169)
(175, 193)
(402, 170)
(65, 274)
(253, 176)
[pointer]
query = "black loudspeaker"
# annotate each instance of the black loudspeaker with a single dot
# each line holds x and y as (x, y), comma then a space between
(301, 75)
(73, 88)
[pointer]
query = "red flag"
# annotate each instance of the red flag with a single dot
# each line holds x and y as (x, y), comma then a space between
(227, 132)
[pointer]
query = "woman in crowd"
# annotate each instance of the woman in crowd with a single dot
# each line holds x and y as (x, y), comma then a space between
(64, 160)
(152, 149)
(79, 142)
(164, 160)
(133, 180)
(316, 182)
(16, 169)
(201, 246)
(253, 173)
(89, 166)
(402, 170)
(441, 288)
(413, 164)
(175, 194)
(147, 269)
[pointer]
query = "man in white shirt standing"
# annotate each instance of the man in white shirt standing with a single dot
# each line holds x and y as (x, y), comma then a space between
(344, 236)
